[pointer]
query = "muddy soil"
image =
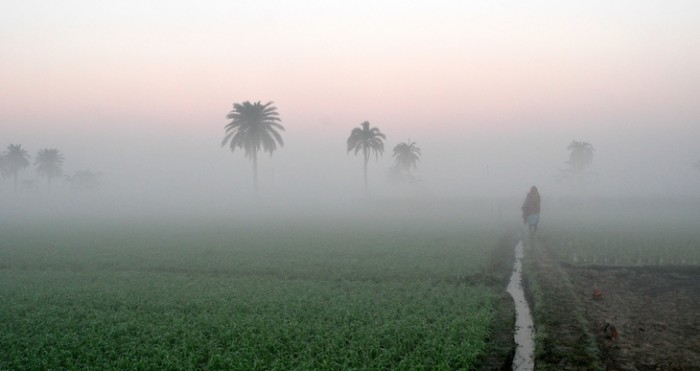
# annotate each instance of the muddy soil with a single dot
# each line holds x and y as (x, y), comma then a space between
(656, 312)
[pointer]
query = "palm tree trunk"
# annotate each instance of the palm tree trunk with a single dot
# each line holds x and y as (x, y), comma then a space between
(15, 176)
(49, 181)
(365, 169)
(255, 172)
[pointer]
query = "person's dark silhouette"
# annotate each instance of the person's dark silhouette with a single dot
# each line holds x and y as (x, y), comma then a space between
(531, 210)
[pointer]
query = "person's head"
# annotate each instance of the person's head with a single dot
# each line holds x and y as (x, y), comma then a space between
(533, 189)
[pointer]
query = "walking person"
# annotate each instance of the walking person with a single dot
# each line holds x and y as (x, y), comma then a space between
(531, 210)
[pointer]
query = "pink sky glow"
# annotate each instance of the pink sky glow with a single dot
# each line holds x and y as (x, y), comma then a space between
(87, 74)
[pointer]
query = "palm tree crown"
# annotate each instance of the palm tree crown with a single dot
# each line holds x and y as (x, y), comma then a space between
(406, 156)
(15, 159)
(581, 156)
(367, 140)
(49, 164)
(253, 126)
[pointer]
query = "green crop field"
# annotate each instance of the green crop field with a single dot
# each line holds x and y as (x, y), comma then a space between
(257, 295)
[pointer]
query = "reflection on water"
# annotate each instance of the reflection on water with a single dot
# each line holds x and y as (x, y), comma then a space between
(524, 327)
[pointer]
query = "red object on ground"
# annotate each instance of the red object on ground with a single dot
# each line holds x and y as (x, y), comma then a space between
(609, 327)
(613, 332)
(597, 294)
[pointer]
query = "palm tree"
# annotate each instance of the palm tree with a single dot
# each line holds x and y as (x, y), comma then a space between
(15, 159)
(581, 156)
(367, 140)
(580, 159)
(252, 126)
(406, 156)
(49, 164)
(3, 165)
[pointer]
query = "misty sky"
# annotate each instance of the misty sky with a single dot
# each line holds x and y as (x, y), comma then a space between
(492, 92)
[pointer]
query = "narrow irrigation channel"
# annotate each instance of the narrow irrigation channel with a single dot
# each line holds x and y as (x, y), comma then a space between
(524, 327)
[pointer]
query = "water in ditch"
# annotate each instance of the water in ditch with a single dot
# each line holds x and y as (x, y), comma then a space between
(524, 358)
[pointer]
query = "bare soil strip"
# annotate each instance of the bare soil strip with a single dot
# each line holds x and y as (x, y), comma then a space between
(655, 312)
(613, 318)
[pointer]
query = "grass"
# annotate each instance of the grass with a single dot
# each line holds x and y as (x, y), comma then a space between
(562, 339)
(258, 295)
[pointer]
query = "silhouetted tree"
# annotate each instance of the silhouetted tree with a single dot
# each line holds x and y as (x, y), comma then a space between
(253, 126)
(84, 180)
(580, 159)
(406, 156)
(15, 159)
(581, 156)
(367, 140)
(49, 164)
(4, 171)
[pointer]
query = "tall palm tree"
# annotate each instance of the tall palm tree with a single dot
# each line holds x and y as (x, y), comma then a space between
(15, 159)
(406, 156)
(580, 159)
(367, 140)
(253, 126)
(49, 164)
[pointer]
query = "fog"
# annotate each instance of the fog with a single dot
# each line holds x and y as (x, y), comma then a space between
(185, 172)
(492, 94)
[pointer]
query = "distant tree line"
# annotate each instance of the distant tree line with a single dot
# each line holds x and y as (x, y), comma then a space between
(48, 163)
(256, 126)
